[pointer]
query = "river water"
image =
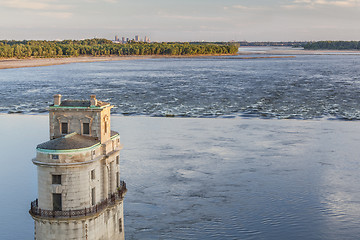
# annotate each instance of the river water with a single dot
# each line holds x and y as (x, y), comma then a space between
(213, 178)
(303, 87)
(233, 165)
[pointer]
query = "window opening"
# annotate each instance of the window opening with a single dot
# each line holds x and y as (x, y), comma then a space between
(93, 196)
(117, 179)
(56, 179)
(64, 128)
(120, 225)
(86, 128)
(57, 202)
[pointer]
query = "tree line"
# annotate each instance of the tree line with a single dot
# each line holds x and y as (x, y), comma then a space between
(333, 45)
(104, 47)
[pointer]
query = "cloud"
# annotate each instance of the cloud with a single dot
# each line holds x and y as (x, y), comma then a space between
(45, 8)
(101, 1)
(33, 5)
(242, 7)
(61, 15)
(189, 17)
(311, 4)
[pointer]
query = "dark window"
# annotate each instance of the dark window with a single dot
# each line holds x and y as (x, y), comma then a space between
(117, 160)
(86, 128)
(93, 196)
(55, 156)
(117, 179)
(120, 225)
(93, 174)
(57, 202)
(64, 128)
(56, 179)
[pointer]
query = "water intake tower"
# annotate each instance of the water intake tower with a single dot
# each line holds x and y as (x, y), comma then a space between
(80, 195)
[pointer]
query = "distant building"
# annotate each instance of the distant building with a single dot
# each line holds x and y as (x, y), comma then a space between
(80, 195)
(137, 39)
(123, 40)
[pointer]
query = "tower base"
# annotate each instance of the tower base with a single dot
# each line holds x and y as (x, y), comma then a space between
(108, 224)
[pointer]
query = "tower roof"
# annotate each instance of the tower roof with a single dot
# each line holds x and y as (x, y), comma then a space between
(72, 141)
(69, 142)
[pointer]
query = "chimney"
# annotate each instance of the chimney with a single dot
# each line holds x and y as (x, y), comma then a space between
(57, 99)
(93, 101)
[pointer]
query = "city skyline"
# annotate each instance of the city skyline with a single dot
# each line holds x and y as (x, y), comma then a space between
(208, 20)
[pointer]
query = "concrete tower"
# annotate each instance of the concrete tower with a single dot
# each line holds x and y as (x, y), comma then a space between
(80, 195)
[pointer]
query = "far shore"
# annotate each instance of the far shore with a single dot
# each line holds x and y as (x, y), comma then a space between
(6, 63)
(293, 51)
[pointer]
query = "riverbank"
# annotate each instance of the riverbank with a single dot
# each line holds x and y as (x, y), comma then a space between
(268, 50)
(6, 63)
(38, 62)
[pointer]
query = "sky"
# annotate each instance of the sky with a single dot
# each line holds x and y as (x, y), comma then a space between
(181, 20)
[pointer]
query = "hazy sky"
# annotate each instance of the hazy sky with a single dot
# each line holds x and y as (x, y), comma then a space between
(181, 20)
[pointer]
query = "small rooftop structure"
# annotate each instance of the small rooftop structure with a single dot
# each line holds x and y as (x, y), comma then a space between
(93, 102)
(85, 117)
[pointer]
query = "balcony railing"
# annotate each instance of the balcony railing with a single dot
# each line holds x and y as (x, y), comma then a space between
(118, 195)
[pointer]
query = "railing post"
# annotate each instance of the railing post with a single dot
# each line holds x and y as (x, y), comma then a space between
(85, 211)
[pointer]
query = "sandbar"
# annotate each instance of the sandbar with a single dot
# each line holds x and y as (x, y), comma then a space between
(37, 62)
(6, 63)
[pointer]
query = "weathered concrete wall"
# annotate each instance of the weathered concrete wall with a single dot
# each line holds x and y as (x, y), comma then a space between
(75, 187)
(75, 119)
(105, 125)
(105, 226)
(76, 182)
(76, 157)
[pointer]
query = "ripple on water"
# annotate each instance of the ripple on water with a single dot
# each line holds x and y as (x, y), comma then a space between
(305, 87)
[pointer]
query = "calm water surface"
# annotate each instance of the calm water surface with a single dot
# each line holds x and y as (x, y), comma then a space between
(210, 178)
